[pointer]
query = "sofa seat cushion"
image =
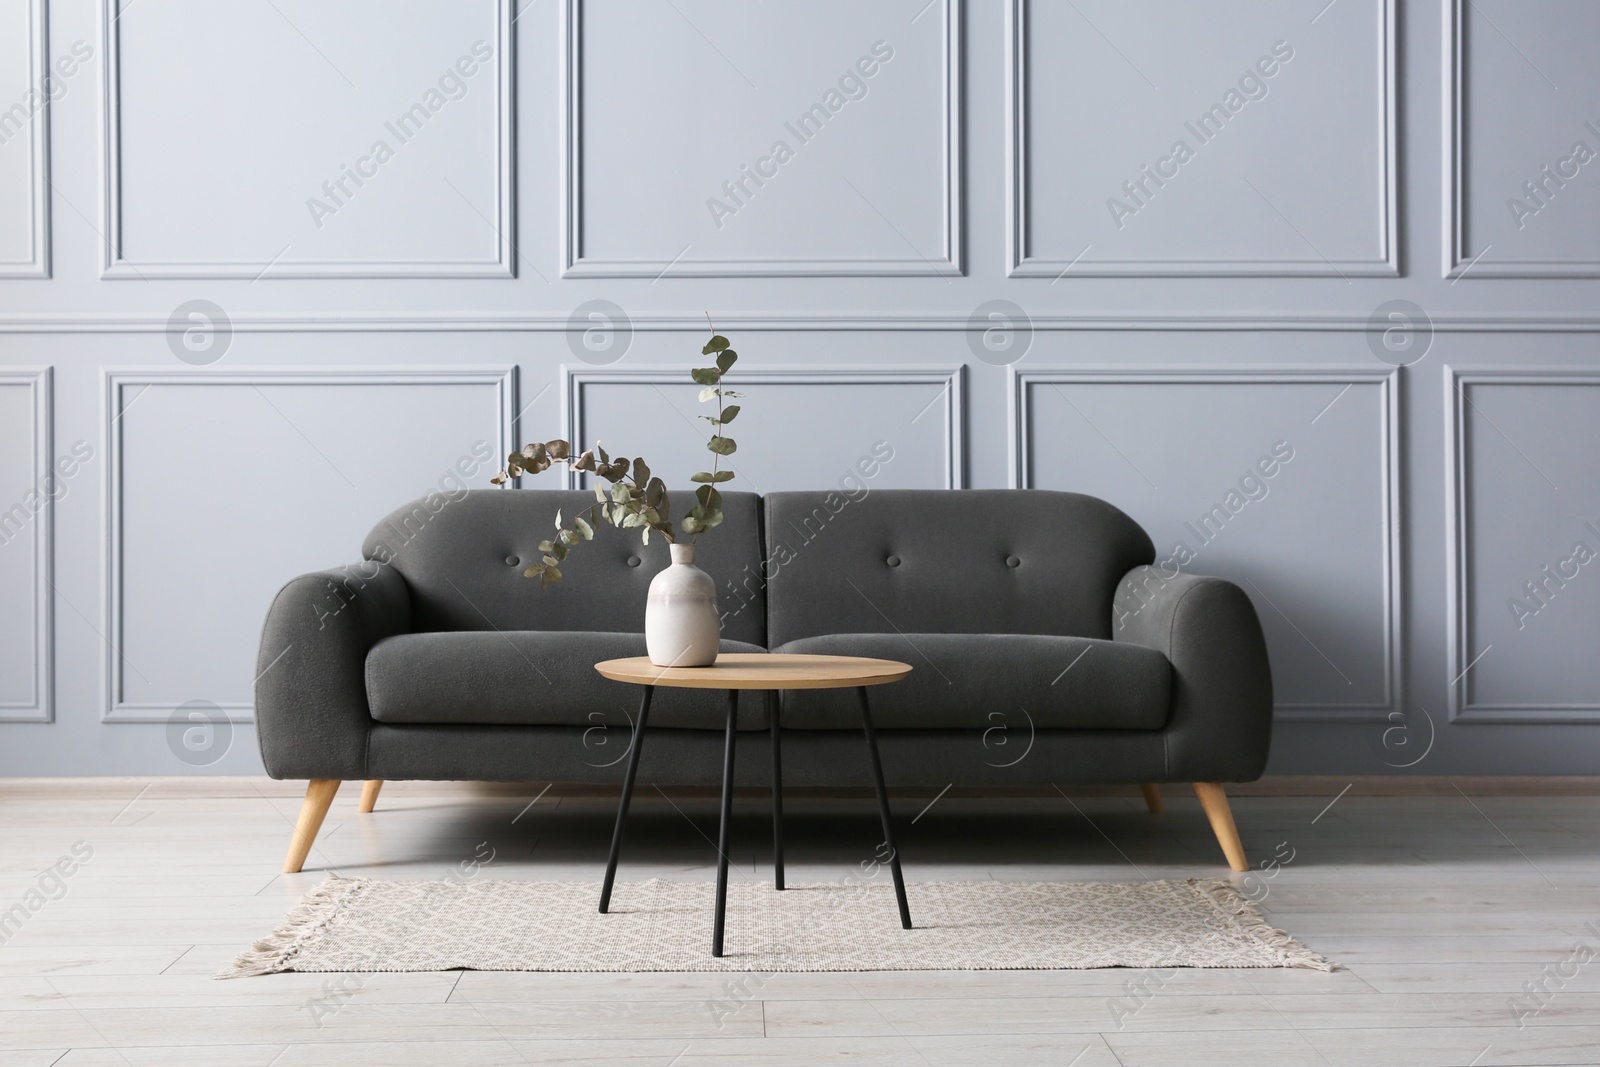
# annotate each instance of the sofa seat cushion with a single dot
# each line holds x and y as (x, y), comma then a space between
(533, 678)
(991, 680)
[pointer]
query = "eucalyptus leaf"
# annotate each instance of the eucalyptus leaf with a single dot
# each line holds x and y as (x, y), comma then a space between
(716, 344)
(534, 571)
(571, 537)
(547, 546)
(599, 492)
(708, 394)
(706, 476)
(641, 471)
(706, 375)
(619, 492)
(558, 449)
(551, 561)
(724, 476)
(730, 413)
(722, 446)
(690, 525)
(726, 358)
(551, 575)
(558, 518)
(584, 529)
(655, 493)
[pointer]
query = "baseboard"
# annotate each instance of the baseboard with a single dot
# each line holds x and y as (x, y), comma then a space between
(233, 787)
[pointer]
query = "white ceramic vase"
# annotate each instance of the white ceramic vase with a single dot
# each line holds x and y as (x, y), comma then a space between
(681, 624)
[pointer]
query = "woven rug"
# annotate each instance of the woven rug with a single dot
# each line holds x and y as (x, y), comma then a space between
(356, 924)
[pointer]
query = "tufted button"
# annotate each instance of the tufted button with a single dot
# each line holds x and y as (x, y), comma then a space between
(1013, 561)
(893, 561)
(634, 561)
(512, 561)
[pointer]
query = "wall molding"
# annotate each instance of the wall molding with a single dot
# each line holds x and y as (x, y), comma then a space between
(946, 263)
(117, 710)
(1019, 415)
(1021, 264)
(115, 265)
(824, 321)
(39, 381)
(38, 263)
(951, 379)
(1458, 260)
(1458, 656)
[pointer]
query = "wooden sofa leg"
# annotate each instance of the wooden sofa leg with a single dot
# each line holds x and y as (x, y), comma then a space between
(1152, 799)
(1215, 803)
(369, 795)
(319, 795)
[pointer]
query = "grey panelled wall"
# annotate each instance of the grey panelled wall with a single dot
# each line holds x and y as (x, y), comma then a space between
(1308, 288)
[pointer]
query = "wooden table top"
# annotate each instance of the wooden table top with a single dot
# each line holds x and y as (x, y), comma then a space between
(759, 670)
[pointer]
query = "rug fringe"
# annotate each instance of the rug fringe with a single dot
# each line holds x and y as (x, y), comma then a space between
(1247, 915)
(316, 909)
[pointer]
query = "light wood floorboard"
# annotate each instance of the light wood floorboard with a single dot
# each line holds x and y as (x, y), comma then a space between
(1440, 913)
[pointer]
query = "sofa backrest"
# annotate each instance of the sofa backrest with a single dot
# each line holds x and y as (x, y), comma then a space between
(945, 561)
(463, 556)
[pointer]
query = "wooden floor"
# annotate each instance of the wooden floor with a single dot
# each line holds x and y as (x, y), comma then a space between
(1441, 907)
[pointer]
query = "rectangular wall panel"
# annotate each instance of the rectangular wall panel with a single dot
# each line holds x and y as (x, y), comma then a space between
(1522, 139)
(1314, 543)
(1226, 138)
(826, 139)
(26, 519)
(318, 147)
(1524, 527)
(794, 429)
(203, 531)
(25, 89)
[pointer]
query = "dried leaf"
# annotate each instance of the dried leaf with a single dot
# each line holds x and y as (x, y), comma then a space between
(584, 529)
(558, 449)
(708, 394)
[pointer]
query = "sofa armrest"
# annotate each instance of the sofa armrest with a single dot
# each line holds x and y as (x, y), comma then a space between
(312, 716)
(1220, 725)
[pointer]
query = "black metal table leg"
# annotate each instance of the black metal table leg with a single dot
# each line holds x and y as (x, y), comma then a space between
(727, 817)
(774, 701)
(883, 810)
(627, 795)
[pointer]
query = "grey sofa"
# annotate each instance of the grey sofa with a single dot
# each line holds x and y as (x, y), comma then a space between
(1046, 650)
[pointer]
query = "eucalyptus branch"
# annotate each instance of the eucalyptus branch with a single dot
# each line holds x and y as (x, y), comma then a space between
(636, 498)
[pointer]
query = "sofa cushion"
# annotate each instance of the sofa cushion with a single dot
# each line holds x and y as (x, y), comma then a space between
(463, 555)
(945, 561)
(533, 678)
(991, 680)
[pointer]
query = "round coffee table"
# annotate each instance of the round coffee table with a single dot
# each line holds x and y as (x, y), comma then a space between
(772, 673)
